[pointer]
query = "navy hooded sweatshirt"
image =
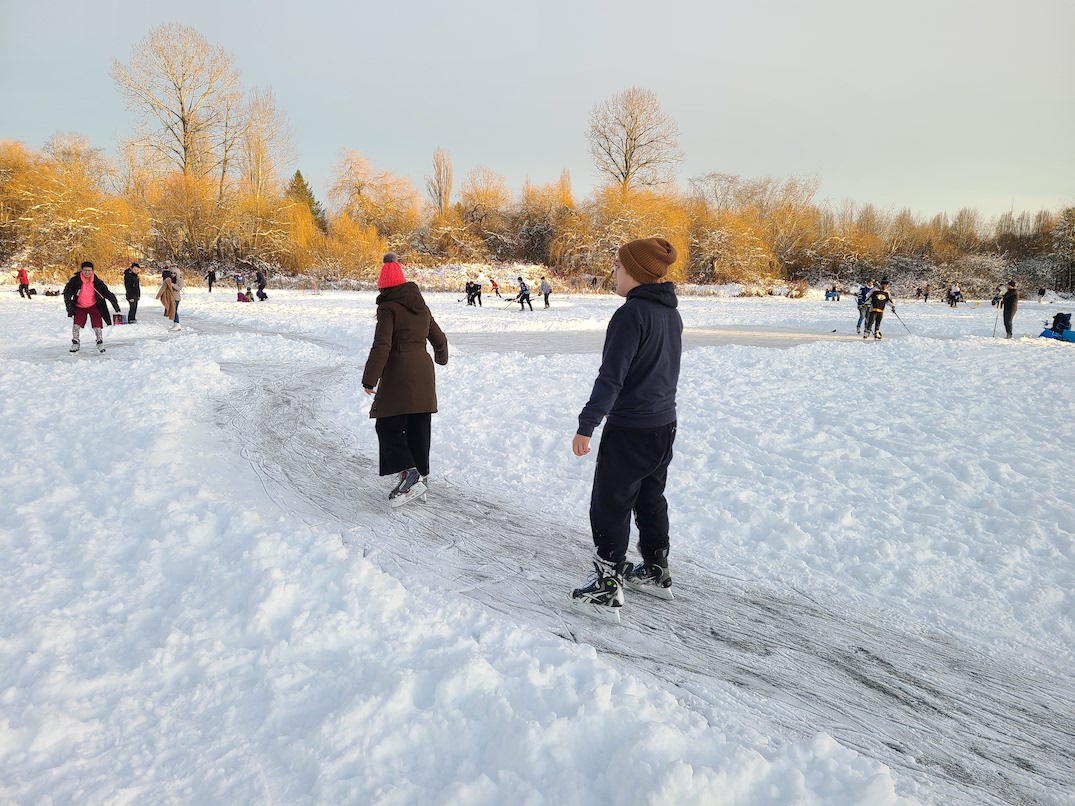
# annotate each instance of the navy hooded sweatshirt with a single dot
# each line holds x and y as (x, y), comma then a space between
(636, 385)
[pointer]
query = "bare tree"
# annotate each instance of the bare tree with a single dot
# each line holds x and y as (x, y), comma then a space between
(484, 194)
(378, 199)
(266, 143)
(439, 185)
(633, 142)
(187, 94)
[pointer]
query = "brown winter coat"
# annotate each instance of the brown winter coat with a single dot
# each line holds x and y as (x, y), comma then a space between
(167, 297)
(398, 364)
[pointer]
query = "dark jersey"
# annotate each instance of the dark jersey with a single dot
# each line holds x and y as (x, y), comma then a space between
(879, 299)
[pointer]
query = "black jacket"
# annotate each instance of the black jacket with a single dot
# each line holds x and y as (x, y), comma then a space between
(636, 385)
(261, 279)
(878, 299)
(74, 285)
(132, 283)
(1010, 300)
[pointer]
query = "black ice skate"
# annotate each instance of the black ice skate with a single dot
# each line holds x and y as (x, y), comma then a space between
(74, 345)
(602, 595)
(652, 577)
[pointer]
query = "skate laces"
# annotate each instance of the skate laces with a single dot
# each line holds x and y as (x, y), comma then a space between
(409, 479)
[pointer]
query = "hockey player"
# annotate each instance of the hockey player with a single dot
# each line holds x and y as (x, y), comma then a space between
(864, 309)
(877, 300)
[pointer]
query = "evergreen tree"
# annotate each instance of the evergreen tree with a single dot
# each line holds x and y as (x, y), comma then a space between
(299, 190)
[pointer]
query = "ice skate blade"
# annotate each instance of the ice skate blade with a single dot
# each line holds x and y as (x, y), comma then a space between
(655, 591)
(417, 491)
(599, 612)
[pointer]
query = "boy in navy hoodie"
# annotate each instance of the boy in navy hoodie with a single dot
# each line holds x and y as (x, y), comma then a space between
(635, 393)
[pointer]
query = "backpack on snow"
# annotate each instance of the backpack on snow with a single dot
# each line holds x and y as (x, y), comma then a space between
(1061, 322)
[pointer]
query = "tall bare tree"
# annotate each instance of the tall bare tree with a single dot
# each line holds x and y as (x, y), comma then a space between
(187, 95)
(439, 185)
(633, 142)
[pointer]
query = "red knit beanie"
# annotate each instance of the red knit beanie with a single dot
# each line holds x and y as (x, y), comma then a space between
(391, 275)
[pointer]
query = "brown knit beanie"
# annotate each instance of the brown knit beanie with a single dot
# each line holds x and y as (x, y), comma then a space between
(647, 260)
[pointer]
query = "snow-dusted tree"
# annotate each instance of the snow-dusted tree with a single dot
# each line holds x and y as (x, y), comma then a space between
(485, 208)
(1063, 249)
(382, 200)
(541, 212)
(634, 144)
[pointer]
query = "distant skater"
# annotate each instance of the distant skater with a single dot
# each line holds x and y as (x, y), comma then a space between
(546, 289)
(132, 287)
(863, 304)
(879, 297)
(24, 283)
(1009, 303)
(524, 295)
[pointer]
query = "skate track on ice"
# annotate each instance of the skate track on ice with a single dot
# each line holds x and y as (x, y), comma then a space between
(969, 728)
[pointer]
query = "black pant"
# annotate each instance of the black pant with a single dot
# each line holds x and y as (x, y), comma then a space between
(632, 468)
(134, 310)
(1008, 317)
(874, 321)
(210, 280)
(24, 290)
(524, 299)
(547, 300)
(404, 443)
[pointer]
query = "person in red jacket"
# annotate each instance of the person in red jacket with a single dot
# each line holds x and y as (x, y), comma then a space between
(24, 283)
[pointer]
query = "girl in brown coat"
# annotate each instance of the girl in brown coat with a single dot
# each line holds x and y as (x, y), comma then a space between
(401, 375)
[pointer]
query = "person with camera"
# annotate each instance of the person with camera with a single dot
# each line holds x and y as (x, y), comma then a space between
(1008, 304)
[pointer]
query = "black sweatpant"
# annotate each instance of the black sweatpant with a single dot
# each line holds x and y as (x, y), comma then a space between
(1009, 318)
(632, 468)
(134, 310)
(524, 299)
(24, 290)
(874, 321)
(404, 442)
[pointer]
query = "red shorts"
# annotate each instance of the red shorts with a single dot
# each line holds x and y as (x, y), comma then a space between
(93, 313)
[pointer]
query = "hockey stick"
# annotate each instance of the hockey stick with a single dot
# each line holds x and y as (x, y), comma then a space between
(995, 320)
(909, 333)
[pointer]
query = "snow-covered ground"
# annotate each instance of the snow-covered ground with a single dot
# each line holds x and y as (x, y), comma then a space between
(207, 599)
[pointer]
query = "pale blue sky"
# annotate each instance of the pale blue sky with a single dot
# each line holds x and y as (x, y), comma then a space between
(927, 104)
